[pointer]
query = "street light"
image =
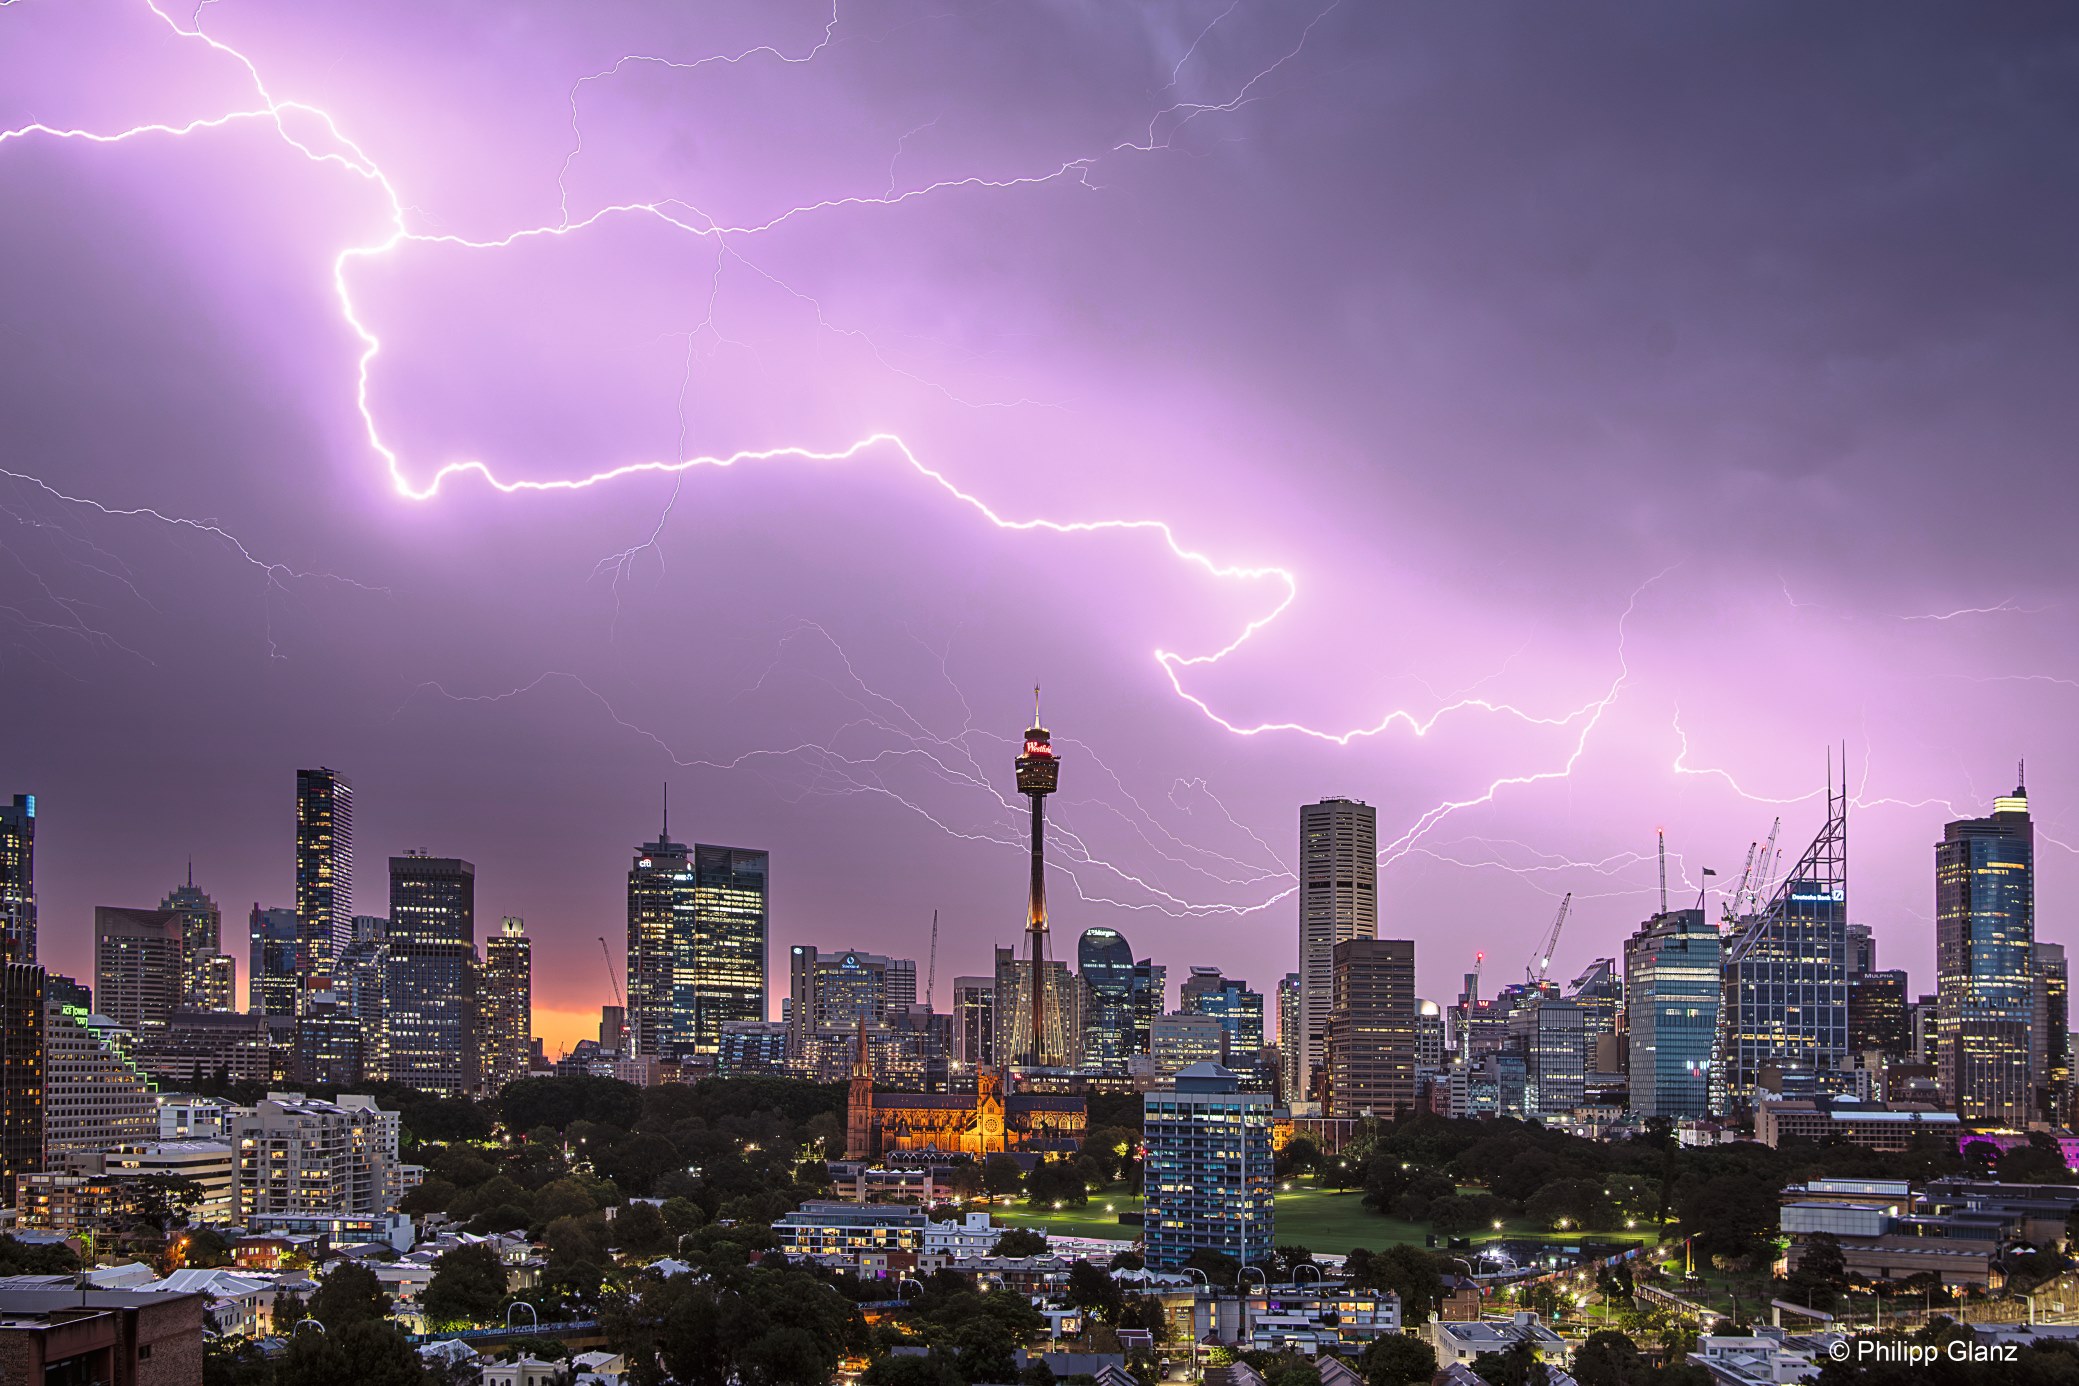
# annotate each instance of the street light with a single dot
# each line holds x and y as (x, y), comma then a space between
(302, 1323)
(533, 1318)
(902, 1280)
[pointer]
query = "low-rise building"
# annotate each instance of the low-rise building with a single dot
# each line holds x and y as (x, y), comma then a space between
(1760, 1359)
(1309, 1317)
(820, 1228)
(525, 1371)
(122, 1337)
(1872, 1125)
(962, 1239)
(1462, 1342)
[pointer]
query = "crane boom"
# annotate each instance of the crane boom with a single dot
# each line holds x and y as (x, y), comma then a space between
(605, 952)
(1541, 960)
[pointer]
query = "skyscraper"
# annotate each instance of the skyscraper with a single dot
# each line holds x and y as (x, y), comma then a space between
(272, 961)
(1672, 992)
(201, 942)
(1338, 901)
(1229, 1001)
(1877, 1015)
(1784, 1009)
(830, 991)
(1370, 1044)
(1105, 960)
(18, 880)
(1985, 936)
(2050, 1039)
(1150, 1000)
(697, 923)
(505, 1004)
(137, 965)
(1063, 1018)
(974, 1021)
(429, 992)
(324, 866)
(1288, 1036)
(1550, 1032)
(21, 1074)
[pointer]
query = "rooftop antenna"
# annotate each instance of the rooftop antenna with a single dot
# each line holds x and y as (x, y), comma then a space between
(1663, 833)
(664, 833)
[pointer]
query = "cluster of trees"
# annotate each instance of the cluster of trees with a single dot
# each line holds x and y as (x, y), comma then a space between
(1724, 1196)
(358, 1344)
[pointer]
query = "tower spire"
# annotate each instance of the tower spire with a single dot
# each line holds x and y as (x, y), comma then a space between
(664, 832)
(1036, 707)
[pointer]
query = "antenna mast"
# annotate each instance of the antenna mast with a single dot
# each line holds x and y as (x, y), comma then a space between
(1663, 869)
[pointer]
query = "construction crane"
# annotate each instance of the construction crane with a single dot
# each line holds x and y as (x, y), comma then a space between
(931, 976)
(614, 980)
(1540, 961)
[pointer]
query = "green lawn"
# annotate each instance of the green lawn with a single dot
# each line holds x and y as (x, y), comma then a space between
(1317, 1218)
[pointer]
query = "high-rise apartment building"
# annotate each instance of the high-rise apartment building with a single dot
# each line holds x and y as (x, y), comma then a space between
(324, 866)
(18, 880)
(1370, 1044)
(697, 923)
(273, 961)
(1985, 937)
(1105, 961)
(1338, 902)
(360, 976)
(505, 1004)
(137, 965)
(974, 1021)
(22, 1023)
(1783, 1012)
(306, 1165)
(1209, 1173)
(429, 989)
(1672, 991)
(202, 977)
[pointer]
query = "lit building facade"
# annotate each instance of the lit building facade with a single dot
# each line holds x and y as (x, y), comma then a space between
(2050, 1038)
(273, 961)
(1338, 902)
(18, 880)
(1783, 1011)
(1229, 1001)
(429, 991)
(1105, 961)
(22, 1023)
(202, 978)
(1371, 1028)
(974, 1021)
(306, 1165)
(324, 866)
(1672, 992)
(1877, 1015)
(94, 1096)
(1209, 1172)
(697, 924)
(137, 965)
(1985, 935)
(505, 1004)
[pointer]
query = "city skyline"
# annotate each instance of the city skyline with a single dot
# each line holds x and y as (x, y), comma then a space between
(1539, 474)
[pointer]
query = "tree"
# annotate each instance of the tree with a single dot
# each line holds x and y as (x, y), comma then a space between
(205, 1247)
(1821, 1274)
(1516, 1365)
(469, 1286)
(1019, 1241)
(1395, 1359)
(1217, 1267)
(1608, 1358)
(348, 1294)
(929, 1369)
(1409, 1271)
(363, 1353)
(639, 1230)
(1094, 1292)
(289, 1310)
(25, 1258)
(772, 1326)
(1002, 1175)
(1057, 1182)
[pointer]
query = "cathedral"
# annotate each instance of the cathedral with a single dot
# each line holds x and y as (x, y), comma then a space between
(982, 1123)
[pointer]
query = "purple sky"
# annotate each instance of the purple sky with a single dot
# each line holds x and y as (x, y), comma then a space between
(1486, 324)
